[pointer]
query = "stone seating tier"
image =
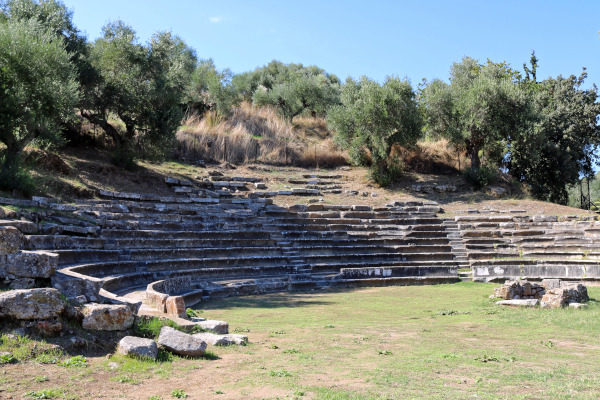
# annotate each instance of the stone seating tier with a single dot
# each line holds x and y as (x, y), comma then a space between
(531, 247)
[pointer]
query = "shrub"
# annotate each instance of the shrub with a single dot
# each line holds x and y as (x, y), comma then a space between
(481, 177)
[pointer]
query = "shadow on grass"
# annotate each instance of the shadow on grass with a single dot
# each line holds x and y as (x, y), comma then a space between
(271, 300)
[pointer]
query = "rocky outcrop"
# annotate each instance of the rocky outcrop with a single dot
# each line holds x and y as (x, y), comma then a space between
(181, 343)
(31, 304)
(107, 317)
(138, 347)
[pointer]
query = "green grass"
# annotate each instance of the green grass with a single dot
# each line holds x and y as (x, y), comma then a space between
(55, 393)
(20, 349)
(445, 341)
(435, 342)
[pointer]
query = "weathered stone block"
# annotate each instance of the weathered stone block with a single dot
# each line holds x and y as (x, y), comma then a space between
(519, 303)
(32, 264)
(26, 227)
(30, 304)
(175, 305)
(181, 343)
(220, 327)
(137, 347)
(22, 283)
(554, 298)
(107, 317)
(213, 339)
(11, 240)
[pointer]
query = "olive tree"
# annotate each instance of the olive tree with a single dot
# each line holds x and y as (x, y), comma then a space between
(210, 88)
(561, 145)
(138, 86)
(372, 118)
(37, 87)
(482, 106)
(292, 89)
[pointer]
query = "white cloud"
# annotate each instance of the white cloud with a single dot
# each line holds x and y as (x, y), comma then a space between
(215, 20)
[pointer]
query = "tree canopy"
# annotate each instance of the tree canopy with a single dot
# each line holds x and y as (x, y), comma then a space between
(373, 117)
(37, 88)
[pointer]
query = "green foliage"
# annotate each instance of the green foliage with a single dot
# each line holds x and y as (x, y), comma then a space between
(178, 394)
(280, 373)
(193, 313)
(150, 327)
(142, 85)
(560, 146)
(46, 394)
(14, 176)
(481, 177)
(35, 71)
(372, 118)
(75, 362)
(211, 89)
(292, 89)
(481, 107)
(54, 16)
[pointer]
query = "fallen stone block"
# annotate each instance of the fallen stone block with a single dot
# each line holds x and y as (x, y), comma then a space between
(181, 343)
(107, 317)
(133, 346)
(220, 327)
(213, 339)
(519, 303)
(28, 304)
(240, 340)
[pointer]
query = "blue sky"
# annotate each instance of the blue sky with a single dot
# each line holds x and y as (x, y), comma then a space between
(414, 39)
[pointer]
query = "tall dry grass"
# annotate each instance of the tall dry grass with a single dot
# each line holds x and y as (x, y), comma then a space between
(254, 134)
(432, 157)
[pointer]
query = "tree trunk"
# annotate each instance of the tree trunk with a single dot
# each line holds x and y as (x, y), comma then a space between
(108, 128)
(473, 152)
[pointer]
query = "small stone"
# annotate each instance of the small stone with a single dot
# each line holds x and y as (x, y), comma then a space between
(181, 343)
(578, 305)
(77, 342)
(138, 347)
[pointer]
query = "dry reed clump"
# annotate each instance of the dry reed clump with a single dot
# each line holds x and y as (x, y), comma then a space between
(431, 157)
(252, 134)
